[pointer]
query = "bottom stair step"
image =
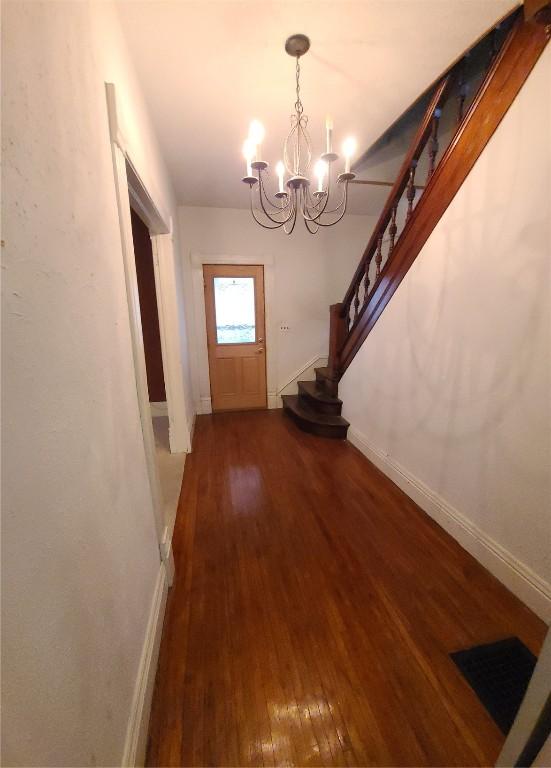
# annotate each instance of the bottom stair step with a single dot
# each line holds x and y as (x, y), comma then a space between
(309, 420)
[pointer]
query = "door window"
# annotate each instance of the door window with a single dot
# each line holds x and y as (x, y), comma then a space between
(234, 310)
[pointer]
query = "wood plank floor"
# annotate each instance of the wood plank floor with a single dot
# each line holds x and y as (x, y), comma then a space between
(313, 612)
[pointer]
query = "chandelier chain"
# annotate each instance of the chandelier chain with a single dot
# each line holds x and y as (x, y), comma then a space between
(298, 103)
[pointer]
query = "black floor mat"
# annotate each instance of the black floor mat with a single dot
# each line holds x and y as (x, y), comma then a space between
(499, 674)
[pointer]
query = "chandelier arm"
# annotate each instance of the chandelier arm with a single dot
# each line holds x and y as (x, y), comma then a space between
(268, 215)
(288, 232)
(342, 202)
(311, 231)
(277, 225)
(320, 223)
(312, 206)
(332, 223)
(309, 214)
(262, 189)
(313, 209)
(266, 226)
(304, 194)
(306, 213)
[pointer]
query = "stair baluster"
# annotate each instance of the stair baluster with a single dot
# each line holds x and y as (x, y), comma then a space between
(366, 282)
(463, 88)
(411, 189)
(494, 48)
(379, 256)
(433, 142)
(392, 230)
(356, 301)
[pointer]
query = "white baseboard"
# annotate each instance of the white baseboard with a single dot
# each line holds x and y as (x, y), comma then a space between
(159, 409)
(138, 722)
(273, 401)
(205, 405)
(192, 431)
(517, 577)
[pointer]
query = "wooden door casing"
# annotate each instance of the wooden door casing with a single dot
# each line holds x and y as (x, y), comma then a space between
(237, 370)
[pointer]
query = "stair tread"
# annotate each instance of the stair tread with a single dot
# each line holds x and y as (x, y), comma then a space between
(317, 393)
(294, 403)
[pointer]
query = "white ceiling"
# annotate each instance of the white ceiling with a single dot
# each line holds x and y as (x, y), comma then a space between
(207, 68)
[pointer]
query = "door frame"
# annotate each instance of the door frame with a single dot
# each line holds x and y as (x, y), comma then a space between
(255, 349)
(531, 709)
(129, 186)
(202, 381)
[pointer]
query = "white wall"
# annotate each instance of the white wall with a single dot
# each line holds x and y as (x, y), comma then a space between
(450, 393)
(310, 273)
(80, 560)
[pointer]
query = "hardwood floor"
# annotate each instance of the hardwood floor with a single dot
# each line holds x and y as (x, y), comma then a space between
(313, 612)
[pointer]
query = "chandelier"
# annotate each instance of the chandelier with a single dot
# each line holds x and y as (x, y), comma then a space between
(294, 197)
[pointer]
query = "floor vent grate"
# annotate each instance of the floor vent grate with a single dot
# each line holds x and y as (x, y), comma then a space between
(499, 674)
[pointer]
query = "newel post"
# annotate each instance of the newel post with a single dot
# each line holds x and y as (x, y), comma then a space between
(337, 332)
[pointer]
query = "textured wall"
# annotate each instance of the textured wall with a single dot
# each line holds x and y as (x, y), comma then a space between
(80, 556)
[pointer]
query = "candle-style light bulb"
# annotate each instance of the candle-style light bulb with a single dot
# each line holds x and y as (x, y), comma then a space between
(256, 135)
(248, 153)
(349, 146)
(320, 169)
(280, 170)
(328, 134)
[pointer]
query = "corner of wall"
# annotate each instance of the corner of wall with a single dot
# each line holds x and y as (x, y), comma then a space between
(522, 581)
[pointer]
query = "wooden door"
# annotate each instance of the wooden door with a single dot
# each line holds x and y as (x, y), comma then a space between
(234, 304)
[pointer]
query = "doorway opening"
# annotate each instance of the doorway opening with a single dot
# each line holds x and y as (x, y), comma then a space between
(236, 336)
(169, 465)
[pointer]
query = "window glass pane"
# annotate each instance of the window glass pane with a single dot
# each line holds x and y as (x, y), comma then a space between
(234, 307)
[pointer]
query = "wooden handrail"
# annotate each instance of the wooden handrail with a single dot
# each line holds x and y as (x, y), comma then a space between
(536, 8)
(508, 72)
(414, 152)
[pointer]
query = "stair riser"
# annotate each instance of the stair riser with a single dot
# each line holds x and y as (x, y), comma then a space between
(322, 430)
(327, 385)
(321, 407)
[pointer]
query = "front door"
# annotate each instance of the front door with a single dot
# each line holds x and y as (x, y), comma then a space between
(234, 303)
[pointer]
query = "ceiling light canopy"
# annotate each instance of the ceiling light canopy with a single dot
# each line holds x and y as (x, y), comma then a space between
(294, 197)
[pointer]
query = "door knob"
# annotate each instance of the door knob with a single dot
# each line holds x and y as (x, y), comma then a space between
(261, 350)
(260, 339)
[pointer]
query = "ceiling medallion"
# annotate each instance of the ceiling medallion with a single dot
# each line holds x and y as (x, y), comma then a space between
(294, 197)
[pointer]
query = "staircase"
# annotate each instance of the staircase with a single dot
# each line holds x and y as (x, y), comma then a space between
(469, 100)
(316, 408)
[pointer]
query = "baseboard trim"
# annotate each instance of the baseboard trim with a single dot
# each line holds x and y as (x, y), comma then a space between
(205, 405)
(138, 722)
(192, 431)
(517, 577)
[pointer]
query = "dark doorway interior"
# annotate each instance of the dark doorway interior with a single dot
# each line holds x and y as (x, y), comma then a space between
(148, 310)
